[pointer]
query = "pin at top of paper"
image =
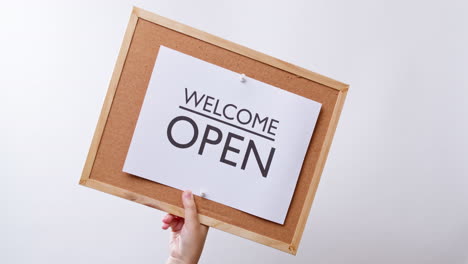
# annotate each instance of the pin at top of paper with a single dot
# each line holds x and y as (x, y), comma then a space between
(201, 128)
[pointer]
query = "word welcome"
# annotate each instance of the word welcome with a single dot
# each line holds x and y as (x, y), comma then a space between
(231, 112)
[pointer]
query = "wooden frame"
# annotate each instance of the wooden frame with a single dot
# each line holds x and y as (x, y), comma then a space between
(288, 245)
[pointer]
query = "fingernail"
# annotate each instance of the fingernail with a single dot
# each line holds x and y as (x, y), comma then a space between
(188, 194)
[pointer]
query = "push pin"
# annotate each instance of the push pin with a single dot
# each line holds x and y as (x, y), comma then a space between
(202, 193)
(242, 78)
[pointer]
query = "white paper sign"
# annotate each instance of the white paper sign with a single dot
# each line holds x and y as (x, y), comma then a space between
(202, 128)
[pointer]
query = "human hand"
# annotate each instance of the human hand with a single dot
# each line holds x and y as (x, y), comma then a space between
(188, 235)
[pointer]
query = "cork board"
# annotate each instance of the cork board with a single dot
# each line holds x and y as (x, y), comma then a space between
(146, 32)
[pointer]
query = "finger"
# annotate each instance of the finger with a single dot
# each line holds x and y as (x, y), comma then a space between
(177, 225)
(167, 219)
(170, 224)
(191, 216)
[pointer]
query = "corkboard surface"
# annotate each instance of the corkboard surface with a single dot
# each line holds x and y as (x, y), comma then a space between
(126, 105)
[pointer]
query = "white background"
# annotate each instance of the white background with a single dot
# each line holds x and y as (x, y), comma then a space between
(394, 189)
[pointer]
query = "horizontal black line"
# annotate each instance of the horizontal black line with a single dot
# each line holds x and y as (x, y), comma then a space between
(227, 123)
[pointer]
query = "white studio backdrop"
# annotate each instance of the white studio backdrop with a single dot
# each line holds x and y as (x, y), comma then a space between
(394, 189)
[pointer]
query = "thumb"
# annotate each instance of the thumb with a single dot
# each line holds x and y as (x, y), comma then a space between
(191, 216)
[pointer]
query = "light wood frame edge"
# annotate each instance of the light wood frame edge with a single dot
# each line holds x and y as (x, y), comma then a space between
(86, 181)
(109, 98)
(166, 207)
(318, 170)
